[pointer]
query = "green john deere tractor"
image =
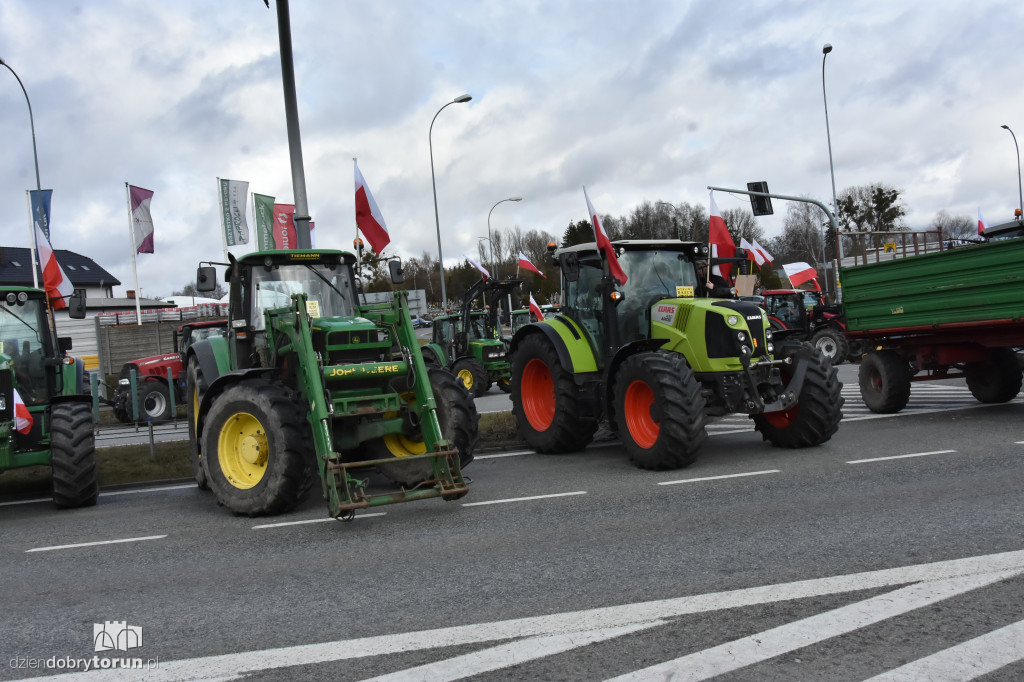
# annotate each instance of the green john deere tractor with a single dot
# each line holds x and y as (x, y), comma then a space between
(310, 385)
(470, 342)
(657, 362)
(45, 413)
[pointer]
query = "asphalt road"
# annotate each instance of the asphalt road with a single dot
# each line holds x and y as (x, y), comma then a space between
(893, 550)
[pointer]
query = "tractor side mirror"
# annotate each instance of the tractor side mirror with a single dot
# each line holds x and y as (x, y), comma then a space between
(76, 307)
(397, 273)
(64, 343)
(206, 278)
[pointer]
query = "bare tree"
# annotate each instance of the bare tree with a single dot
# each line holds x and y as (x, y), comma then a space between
(955, 227)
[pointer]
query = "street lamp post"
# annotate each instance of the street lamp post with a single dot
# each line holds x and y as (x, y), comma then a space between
(675, 220)
(832, 171)
(35, 157)
(1020, 188)
(437, 222)
(493, 263)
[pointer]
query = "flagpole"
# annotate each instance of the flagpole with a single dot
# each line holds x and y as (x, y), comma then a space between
(33, 247)
(355, 242)
(223, 225)
(131, 244)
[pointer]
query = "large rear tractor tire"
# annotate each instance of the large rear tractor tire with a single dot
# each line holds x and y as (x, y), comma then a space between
(884, 379)
(818, 411)
(832, 344)
(195, 387)
(997, 379)
(73, 455)
(154, 402)
(472, 375)
(549, 414)
(659, 411)
(257, 448)
(458, 419)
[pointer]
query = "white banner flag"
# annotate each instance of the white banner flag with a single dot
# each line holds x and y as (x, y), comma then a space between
(233, 202)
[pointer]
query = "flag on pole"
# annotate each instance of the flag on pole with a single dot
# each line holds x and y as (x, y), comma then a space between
(142, 220)
(752, 253)
(722, 245)
(285, 234)
(369, 219)
(798, 273)
(763, 251)
(525, 263)
(982, 225)
(263, 214)
(233, 194)
(478, 267)
(604, 244)
(22, 417)
(535, 309)
(55, 282)
(40, 201)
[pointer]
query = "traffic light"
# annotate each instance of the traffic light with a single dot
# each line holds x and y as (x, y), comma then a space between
(760, 205)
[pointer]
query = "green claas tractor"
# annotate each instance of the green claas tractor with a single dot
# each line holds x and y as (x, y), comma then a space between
(657, 362)
(308, 385)
(45, 413)
(470, 342)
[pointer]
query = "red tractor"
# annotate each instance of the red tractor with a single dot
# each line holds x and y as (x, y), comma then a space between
(153, 393)
(806, 316)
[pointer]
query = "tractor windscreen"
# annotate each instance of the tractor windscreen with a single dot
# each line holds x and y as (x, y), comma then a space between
(327, 288)
(23, 332)
(656, 273)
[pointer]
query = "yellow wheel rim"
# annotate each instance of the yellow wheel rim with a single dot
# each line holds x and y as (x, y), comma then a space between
(243, 451)
(397, 443)
(466, 377)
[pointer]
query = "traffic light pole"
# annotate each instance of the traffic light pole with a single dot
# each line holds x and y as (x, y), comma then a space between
(831, 219)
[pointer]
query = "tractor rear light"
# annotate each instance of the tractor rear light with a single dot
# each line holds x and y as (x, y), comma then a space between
(616, 296)
(68, 360)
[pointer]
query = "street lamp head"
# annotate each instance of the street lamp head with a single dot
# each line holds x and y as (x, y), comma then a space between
(515, 198)
(1006, 127)
(462, 98)
(827, 48)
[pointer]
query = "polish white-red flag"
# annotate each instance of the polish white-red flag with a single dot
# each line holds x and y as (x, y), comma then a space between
(982, 225)
(763, 251)
(722, 245)
(55, 282)
(604, 243)
(478, 267)
(525, 263)
(752, 253)
(22, 417)
(369, 219)
(798, 273)
(535, 309)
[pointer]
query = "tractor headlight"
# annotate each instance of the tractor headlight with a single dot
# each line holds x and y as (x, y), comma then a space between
(124, 382)
(3, 403)
(732, 320)
(742, 336)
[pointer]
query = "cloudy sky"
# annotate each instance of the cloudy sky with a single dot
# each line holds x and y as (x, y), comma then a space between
(640, 100)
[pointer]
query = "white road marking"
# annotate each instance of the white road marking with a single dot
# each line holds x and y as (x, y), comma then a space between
(762, 646)
(718, 478)
(965, 661)
(136, 491)
(913, 454)
(518, 453)
(513, 653)
(35, 501)
(93, 544)
(316, 520)
(523, 499)
(227, 665)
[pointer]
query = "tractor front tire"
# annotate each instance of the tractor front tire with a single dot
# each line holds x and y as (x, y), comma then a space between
(472, 375)
(195, 387)
(818, 410)
(73, 455)
(997, 379)
(257, 448)
(832, 344)
(546, 406)
(458, 419)
(154, 402)
(659, 411)
(884, 379)
(504, 384)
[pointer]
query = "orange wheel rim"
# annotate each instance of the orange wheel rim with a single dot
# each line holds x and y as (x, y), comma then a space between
(637, 407)
(538, 394)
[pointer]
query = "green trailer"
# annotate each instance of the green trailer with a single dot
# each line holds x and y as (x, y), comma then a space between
(948, 314)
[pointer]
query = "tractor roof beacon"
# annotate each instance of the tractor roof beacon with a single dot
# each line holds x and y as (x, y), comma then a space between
(34, 365)
(310, 385)
(656, 361)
